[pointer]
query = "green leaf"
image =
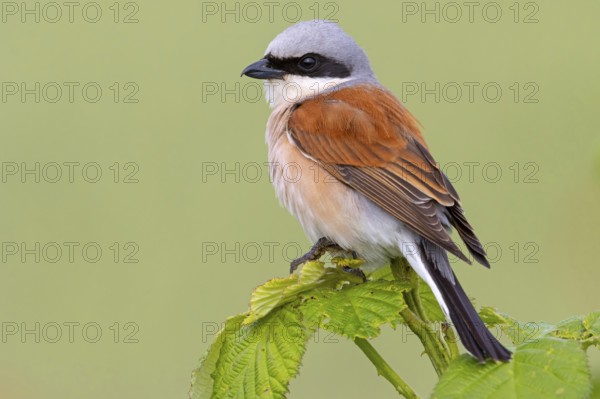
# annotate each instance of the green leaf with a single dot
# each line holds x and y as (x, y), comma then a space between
(492, 317)
(202, 381)
(571, 328)
(519, 332)
(279, 291)
(270, 295)
(357, 310)
(584, 329)
(592, 325)
(592, 322)
(255, 361)
(381, 273)
(430, 304)
(545, 368)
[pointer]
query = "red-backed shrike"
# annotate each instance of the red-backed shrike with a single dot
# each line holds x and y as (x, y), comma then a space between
(367, 183)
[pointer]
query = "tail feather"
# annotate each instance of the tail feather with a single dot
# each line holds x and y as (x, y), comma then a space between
(473, 333)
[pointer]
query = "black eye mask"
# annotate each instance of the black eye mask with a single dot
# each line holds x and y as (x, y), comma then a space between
(313, 65)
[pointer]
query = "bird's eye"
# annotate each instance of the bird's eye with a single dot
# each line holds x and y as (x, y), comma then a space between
(308, 63)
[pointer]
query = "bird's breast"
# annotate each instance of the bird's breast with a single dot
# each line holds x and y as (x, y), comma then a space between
(324, 206)
(306, 189)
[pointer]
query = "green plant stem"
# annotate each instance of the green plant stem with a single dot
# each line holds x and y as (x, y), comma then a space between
(451, 340)
(403, 272)
(384, 369)
(433, 347)
(416, 319)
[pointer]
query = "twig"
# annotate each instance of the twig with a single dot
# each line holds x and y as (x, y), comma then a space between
(384, 369)
(433, 347)
(402, 271)
(416, 318)
(451, 340)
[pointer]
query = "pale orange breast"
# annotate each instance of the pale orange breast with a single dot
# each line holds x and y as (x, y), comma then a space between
(322, 204)
(308, 191)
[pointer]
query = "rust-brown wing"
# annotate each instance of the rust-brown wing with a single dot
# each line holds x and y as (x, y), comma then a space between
(366, 139)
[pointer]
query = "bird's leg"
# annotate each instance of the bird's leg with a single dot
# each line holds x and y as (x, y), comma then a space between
(322, 245)
(355, 271)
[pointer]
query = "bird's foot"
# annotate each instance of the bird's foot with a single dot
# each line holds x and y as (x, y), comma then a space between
(356, 272)
(321, 246)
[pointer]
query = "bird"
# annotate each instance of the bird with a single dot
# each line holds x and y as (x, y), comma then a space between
(366, 182)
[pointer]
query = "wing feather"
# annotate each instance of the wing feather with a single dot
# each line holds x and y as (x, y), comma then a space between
(366, 139)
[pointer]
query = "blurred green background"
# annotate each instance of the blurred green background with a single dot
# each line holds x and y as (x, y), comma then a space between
(189, 198)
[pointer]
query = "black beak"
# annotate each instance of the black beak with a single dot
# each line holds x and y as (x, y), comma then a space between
(261, 70)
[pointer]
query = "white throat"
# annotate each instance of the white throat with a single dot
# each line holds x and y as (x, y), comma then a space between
(294, 88)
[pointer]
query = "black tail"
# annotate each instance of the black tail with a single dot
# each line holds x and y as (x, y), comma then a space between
(472, 331)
